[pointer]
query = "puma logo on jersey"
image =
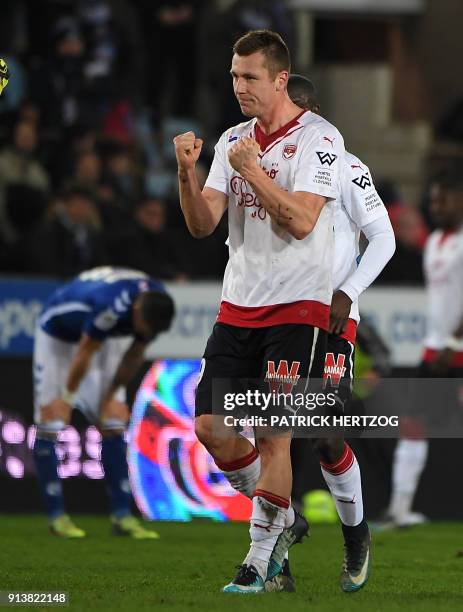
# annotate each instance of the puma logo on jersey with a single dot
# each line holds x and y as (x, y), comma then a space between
(330, 140)
(362, 181)
(327, 158)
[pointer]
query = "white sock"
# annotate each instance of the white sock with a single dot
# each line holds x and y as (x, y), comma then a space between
(267, 522)
(345, 484)
(244, 479)
(409, 461)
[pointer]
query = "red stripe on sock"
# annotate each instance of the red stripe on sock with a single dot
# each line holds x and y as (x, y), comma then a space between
(238, 464)
(276, 500)
(343, 464)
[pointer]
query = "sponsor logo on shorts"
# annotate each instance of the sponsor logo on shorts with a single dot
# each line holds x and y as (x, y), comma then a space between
(334, 369)
(283, 376)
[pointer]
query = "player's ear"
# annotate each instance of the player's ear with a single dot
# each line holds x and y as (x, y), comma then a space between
(281, 80)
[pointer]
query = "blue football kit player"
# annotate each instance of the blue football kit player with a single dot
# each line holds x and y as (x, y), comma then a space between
(89, 344)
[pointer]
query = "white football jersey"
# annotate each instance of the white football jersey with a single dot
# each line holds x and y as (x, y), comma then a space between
(358, 205)
(443, 268)
(267, 266)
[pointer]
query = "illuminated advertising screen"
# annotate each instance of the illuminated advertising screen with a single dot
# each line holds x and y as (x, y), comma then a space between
(172, 475)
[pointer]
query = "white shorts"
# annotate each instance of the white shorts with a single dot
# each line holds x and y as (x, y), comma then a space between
(51, 361)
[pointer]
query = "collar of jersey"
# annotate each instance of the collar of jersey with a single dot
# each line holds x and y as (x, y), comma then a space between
(268, 141)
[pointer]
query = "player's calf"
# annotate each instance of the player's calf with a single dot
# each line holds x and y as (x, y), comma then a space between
(218, 442)
(46, 464)
(328, 450)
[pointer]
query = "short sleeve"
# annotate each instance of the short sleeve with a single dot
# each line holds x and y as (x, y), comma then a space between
(359, 196)
(219, 173)
(105, 317)
(319, 165)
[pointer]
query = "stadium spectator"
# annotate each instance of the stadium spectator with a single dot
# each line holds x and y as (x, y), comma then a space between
(406, 265)
(20, 168)
(87, 170)
(71, 240)
(169, 28)
(147, 244)
(74, 84)
(119, 171)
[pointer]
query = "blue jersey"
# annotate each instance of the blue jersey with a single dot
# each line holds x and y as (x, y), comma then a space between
(98, 302)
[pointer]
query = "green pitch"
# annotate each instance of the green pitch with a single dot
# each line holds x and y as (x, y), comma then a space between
(417, 569)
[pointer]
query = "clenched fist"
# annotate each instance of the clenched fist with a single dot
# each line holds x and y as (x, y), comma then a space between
(187, 150)
(243, 153)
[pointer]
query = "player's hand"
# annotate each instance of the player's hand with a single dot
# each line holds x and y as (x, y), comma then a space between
(57, 410)
(187, 150)
(114, 409)
(243, 153)
(339, 313)
(442, 361)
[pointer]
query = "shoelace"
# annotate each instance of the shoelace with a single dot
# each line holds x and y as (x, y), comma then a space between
(353, 554)
(246, 575)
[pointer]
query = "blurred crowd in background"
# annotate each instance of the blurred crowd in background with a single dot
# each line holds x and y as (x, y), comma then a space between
(98, 89)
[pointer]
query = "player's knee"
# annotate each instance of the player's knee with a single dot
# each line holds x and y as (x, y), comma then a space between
(328, 450)
(203, 431)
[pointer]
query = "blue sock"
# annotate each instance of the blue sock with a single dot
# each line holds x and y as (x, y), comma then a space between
(114, 459)
(46, 464)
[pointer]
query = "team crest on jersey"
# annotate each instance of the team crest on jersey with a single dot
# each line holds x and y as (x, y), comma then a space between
(334, 369)
(289, 151)
(362, 181)
(326, 158)
(283, 376)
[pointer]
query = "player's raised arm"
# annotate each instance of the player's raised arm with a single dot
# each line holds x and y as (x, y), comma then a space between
(297, 213)
(202, 210)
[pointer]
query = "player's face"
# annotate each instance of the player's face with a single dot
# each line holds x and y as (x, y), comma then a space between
(254, 87)
(141, 328)
(446, 206)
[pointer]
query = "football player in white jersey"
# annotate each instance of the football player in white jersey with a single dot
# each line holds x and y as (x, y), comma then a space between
(443, 343)
(277, 175)
(359, 208)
